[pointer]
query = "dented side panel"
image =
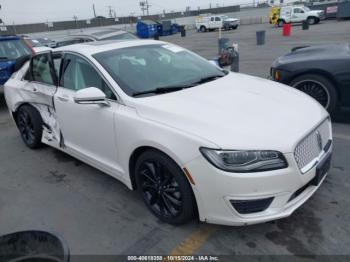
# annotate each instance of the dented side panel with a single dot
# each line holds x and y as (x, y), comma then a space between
(19, 91)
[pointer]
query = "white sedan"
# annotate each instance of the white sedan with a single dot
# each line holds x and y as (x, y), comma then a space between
(192, 138)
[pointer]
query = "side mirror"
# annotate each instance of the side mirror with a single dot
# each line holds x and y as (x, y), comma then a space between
(90, 96)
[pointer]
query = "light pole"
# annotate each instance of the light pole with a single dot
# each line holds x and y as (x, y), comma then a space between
(76, 21)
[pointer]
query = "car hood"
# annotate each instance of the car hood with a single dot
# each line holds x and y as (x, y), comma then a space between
(231, 20)
(316, 53)
(237, 112)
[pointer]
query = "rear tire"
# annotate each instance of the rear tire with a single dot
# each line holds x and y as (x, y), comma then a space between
(280, 23)
(164, 188)
(235, 27)
(318, 87)
(30, 124)
(203, 29)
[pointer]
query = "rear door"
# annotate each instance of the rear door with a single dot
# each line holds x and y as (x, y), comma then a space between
(39, 88)
(41, 79)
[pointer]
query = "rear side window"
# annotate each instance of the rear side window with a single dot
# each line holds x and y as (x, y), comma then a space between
(41, 71)
(13, 49)
(217, 19)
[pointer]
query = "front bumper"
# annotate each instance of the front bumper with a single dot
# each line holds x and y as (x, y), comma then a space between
(215, 190)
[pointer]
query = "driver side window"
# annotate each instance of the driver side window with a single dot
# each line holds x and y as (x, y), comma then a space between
(79, 74)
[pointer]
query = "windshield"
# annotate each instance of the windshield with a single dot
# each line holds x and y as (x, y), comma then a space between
(145, 68)
(306, 9)
(13, 49)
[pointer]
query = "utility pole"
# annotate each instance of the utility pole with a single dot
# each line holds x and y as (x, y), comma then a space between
(93, 7)
(110, 11)
(145, 7)
(76, 21)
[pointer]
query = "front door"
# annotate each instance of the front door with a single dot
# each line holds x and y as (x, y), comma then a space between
(298, 15)
(87, 130)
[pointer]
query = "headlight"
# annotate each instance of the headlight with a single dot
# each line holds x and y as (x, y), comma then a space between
(245, 161)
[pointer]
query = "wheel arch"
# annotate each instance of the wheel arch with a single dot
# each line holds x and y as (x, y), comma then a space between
(312, 16)
(140, 150)
(18, 106)
(319, 72)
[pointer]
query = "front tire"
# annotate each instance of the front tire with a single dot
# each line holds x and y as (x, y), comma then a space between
(318, 87)
(30, 124)
(164, 188)
(312, 20)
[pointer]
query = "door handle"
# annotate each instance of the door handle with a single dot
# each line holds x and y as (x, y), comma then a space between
(63, 98)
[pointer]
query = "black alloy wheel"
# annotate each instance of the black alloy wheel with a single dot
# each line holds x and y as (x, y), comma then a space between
(29, 123)
(164, 188)
(315, 90)
(319, 88)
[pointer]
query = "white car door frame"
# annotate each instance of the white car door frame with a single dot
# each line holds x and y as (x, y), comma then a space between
(37, 91)
(88, 130)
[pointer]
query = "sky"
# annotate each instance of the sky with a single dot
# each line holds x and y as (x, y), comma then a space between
(33, 11)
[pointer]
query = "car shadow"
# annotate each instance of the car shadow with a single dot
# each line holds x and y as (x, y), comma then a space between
(342, 117)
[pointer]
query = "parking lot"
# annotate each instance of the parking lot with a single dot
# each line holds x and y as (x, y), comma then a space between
(49, 190)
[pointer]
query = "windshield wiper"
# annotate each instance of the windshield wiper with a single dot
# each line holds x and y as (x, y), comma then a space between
(162, 90)
(208, 79)
(3, 57)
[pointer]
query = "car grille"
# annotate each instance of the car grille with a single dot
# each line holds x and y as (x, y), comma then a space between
(312, 145)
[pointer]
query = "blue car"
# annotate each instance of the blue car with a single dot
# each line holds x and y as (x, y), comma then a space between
(12, 48)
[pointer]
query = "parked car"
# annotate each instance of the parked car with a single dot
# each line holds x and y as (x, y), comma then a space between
(39, 42)
(213, 22)
(230, 23)
(321, 71)
(12, 48)
(295, 14)
(189, 136)
(109, 34)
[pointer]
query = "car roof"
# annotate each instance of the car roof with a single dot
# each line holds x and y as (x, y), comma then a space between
(9, 37)
(91, 48)
(100, 34)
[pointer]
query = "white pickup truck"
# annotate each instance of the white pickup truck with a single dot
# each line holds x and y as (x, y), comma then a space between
(213, 22)
(298, 14)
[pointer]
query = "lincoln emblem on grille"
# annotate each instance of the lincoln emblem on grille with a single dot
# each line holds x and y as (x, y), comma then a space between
(319, 140)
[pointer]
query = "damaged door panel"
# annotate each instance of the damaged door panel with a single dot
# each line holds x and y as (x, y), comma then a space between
(36, 84)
